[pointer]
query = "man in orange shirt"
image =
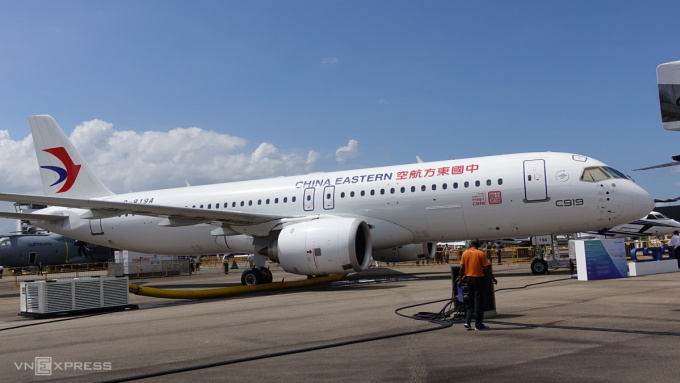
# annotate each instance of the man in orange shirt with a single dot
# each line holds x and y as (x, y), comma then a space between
(473, 267)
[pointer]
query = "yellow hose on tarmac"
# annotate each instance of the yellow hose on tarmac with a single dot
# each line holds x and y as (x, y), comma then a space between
(226, 291)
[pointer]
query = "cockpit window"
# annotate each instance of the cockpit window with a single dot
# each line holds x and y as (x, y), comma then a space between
(614, 173)
(4, 241)
(594, 174)
(600, 173)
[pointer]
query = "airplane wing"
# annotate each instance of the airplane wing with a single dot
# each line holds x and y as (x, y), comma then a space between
(659, 166)
(676, 163)
(29, 216)
(177, 216)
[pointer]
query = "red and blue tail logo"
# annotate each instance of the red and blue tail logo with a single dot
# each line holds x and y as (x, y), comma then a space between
(67, 174)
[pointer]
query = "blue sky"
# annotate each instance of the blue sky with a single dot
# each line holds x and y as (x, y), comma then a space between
(297, 80)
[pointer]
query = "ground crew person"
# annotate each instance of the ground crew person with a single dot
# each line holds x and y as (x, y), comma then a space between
(474, 266)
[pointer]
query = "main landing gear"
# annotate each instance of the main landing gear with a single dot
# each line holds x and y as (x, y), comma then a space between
(256, 276)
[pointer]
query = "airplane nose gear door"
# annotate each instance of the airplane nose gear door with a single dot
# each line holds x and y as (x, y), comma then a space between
(535, 185)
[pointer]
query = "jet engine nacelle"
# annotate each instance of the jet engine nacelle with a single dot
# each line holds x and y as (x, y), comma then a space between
(412, 252)
(323, 246)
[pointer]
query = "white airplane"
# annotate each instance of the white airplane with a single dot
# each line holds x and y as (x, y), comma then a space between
(653, 224)
(326, 223)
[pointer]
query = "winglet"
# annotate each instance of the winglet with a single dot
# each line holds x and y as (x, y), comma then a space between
(63, 170)
(668, 78)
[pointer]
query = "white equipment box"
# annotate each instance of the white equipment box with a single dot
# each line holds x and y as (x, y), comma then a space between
(63, 296)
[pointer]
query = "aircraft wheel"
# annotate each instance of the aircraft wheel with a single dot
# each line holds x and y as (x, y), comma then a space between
(539, 267)
(251, 277)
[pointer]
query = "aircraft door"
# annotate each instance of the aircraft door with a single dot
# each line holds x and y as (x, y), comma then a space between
(308, 199)
(329, 197)
(535, 184)
(96, 227)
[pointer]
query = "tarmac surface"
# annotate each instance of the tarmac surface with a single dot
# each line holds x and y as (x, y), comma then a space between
(548, 328)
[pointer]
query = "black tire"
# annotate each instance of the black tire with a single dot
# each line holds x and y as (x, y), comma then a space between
(539, 267)
(252, 277)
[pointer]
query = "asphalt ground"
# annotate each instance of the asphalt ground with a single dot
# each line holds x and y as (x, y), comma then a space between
(548, 328)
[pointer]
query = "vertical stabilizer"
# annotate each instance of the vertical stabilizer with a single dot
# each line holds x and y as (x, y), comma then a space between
(668, 78)
(63, 170)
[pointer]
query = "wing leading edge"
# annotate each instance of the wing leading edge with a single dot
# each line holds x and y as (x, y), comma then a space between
(98, 208)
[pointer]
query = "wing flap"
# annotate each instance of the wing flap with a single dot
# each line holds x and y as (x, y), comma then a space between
(33, 217)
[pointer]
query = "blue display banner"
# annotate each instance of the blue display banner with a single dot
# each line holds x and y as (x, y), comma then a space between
(605, 259)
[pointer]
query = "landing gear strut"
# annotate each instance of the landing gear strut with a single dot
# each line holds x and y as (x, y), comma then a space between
(256, 276)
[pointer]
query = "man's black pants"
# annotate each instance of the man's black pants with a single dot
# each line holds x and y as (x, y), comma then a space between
(475, 302)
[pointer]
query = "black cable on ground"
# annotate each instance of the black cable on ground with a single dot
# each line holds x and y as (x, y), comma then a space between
(53, 321)
(534, 284)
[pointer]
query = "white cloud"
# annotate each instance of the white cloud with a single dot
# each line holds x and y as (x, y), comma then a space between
(133, 161)
(330, 60)
(345, 153)
(19, 166)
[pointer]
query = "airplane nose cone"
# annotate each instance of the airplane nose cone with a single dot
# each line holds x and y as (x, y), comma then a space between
(642, 202)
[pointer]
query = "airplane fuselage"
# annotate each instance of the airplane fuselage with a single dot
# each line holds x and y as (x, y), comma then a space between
(485, 197)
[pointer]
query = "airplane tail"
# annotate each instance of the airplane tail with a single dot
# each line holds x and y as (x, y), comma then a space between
(63, 170)
(668, 78)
